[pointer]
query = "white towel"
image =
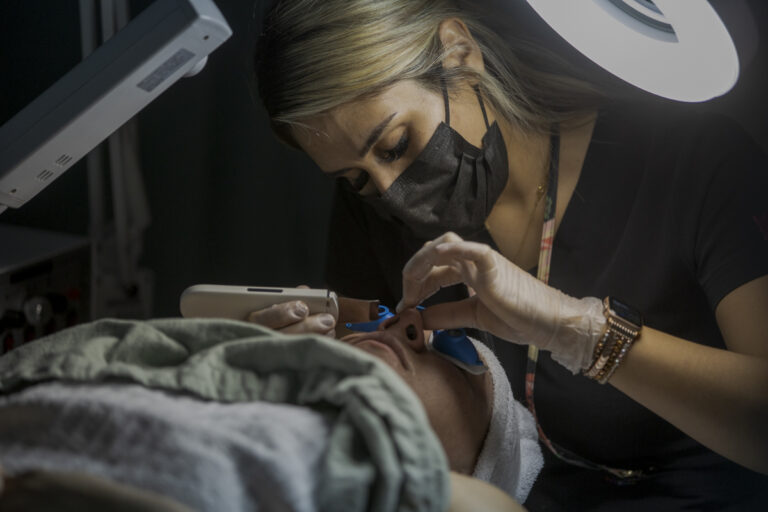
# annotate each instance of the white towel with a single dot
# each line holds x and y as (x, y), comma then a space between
(511, 456)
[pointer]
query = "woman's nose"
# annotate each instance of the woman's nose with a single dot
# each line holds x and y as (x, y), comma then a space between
(382, 178)
(408, 328)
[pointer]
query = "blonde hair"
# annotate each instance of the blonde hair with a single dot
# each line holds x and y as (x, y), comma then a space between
(315, 55)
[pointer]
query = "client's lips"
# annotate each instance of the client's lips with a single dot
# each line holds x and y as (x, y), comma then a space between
(383, 337)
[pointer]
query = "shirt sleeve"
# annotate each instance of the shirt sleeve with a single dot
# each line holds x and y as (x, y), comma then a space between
(731, 235)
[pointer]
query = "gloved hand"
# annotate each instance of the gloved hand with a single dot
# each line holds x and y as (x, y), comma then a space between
(509, 302)
(293, 318)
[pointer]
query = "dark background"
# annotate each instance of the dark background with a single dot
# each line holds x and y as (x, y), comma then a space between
(229, 204)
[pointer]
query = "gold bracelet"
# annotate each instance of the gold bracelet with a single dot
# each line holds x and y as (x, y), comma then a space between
(603, 357)
(621, 341)
(607, 352)
(619, 359)
(622, 327)
(598, 349)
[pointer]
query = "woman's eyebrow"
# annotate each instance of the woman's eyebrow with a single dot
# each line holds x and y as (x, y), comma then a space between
(375, 134)
(369, 142)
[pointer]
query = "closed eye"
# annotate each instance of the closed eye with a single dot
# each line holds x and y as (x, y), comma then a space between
(361, 182)
(396, 152)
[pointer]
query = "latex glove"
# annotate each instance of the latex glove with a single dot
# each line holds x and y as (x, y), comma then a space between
(293, 318)
(508, 302)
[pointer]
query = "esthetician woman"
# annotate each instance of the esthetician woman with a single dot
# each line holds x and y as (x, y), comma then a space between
(628, 244)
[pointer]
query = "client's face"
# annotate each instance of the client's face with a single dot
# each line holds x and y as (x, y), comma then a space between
(458, 404)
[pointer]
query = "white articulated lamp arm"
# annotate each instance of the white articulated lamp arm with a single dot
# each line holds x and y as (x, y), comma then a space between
(165, 42)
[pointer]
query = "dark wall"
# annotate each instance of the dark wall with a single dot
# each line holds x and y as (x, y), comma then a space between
(229, 204)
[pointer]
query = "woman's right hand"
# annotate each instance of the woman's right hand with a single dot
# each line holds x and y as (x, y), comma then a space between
(293, 318)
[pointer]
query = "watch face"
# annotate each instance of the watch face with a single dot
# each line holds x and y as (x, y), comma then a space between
(626, 312)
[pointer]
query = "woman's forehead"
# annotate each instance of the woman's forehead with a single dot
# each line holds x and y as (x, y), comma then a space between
(349, 124)
(329, 138)
(402, 95)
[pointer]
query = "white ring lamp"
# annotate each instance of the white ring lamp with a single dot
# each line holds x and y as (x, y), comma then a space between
(678, 49)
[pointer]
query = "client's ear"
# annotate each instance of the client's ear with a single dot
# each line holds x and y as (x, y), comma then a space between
(461, 48)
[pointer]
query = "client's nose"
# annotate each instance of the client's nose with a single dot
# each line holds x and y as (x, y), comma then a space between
(408, 327)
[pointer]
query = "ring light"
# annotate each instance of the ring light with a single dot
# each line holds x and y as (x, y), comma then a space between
(678, 49)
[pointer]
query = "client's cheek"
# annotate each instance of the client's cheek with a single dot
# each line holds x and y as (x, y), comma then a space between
(381, 354)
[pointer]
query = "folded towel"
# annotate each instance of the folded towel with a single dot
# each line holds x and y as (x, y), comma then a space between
(511, 456)
(378, 451)
(208, 455)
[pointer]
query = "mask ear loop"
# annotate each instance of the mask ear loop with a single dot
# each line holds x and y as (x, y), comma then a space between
(482, 105)
(445, 101)
(448, 110)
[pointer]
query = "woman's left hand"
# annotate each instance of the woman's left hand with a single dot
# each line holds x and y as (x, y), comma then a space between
(509, 302)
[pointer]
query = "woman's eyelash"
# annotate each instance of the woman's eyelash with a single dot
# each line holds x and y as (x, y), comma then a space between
(393, 154)
(359, 182)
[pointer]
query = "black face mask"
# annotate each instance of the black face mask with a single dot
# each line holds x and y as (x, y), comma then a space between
(451, 186)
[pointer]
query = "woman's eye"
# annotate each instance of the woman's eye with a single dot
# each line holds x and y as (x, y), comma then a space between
(396, 152)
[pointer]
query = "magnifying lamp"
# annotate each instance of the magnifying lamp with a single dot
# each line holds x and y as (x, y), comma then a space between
(677, 49)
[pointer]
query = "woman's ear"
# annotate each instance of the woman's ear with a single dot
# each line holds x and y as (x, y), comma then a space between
(461, 48)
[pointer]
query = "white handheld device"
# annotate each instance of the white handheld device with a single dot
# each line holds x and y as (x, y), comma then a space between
(237, 302)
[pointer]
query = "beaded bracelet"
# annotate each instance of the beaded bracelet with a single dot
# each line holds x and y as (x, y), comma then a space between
(610, 366)
(600, 354)
(617, 362)
(618, 336)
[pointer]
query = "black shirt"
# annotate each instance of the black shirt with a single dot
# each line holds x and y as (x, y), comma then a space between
(670, 214)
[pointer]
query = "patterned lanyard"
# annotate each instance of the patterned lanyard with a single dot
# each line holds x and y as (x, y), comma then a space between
(545, 258)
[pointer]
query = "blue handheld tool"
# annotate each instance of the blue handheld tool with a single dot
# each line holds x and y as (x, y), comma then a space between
(373, 325)
(451, 344)
(456, 347)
